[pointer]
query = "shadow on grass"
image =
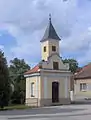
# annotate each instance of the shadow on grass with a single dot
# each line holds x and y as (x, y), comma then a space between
(3, 109)
(15, 107)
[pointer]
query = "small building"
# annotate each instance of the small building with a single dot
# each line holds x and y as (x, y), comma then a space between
(48, 83)
(82, 83)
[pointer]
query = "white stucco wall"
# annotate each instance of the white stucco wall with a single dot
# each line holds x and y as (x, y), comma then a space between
(36, 81)
(46, 85)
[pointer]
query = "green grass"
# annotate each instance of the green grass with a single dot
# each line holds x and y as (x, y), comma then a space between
(16, 107)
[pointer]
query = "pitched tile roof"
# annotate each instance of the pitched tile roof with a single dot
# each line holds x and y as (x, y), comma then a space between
(50, 32)
(85, 72)
(33, 70)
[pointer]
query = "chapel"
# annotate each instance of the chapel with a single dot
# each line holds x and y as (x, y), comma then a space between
(48, 83)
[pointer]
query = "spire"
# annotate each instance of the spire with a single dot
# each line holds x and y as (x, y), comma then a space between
(49, 17)
(50, 32)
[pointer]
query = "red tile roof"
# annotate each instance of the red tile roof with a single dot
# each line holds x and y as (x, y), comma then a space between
(33, 70)
(85, 72)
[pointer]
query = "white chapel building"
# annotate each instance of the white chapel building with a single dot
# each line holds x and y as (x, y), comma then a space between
(48, 83)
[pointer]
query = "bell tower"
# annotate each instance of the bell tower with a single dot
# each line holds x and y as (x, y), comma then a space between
(50, 41)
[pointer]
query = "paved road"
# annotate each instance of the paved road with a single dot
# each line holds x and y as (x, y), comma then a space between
(67, 112)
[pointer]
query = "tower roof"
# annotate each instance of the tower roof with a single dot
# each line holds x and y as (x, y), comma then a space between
(50, 32)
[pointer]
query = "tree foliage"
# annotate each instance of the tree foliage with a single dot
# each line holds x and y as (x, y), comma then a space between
(16, 70)
(4, 80)
(73, 64)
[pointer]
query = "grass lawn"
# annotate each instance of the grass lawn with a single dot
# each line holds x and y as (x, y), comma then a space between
(16, 107)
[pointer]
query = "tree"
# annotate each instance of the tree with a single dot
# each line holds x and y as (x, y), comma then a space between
(73, 64)
(4, 81)
(16, 70)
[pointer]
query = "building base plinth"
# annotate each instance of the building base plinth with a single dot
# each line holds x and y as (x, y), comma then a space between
(46, 102)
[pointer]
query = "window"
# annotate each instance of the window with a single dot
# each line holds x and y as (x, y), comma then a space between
(32, 89)
(54, 48)
(55, 66)
(44, 48)
(83, 86)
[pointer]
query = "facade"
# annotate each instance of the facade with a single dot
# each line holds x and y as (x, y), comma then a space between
(82, 83)
(48, 82)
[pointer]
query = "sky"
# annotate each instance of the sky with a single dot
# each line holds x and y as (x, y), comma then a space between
(23, 22)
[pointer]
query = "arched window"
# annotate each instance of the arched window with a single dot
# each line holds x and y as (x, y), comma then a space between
(32, 89)
(44, 48)
(53, 48)
(55, 65)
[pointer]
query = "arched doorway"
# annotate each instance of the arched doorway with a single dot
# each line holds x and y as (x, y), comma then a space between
(55, 91)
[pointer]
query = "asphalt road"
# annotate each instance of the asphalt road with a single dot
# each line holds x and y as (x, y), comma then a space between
(68, 112)
(46, 110)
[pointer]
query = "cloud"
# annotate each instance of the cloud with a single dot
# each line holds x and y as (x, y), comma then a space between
(82, 42)
(86, 57)
(27, 20)
(1, 47)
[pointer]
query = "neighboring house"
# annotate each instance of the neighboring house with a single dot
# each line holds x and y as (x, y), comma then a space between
(48, 82)
(82, 83)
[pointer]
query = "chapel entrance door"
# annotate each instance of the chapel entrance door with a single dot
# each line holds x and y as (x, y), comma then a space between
(55, 92)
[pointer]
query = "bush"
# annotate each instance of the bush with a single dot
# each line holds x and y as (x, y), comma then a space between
(17, 97)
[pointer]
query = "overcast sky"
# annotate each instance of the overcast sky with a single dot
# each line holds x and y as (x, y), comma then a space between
(23, 22)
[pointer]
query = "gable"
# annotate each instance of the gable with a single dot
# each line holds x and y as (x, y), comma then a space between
(55, 58)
